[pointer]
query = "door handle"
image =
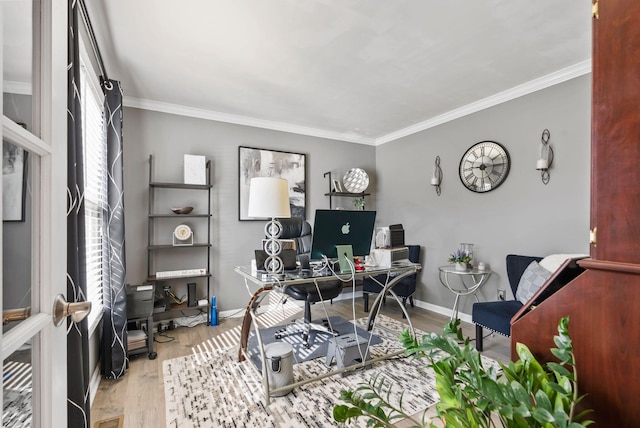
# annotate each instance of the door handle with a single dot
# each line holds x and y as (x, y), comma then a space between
(18, 314)
(62, 309)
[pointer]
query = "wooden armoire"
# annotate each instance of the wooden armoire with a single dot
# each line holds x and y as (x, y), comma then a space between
(603, 302)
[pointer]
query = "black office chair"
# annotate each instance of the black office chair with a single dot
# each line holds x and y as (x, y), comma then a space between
(299, 229)
(405, 288)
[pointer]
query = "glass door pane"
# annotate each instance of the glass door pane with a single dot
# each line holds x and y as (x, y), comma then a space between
(17, 394)
(16, 235)
(17, 61)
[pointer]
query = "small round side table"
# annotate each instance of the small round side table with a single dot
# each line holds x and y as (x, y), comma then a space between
(467, 283)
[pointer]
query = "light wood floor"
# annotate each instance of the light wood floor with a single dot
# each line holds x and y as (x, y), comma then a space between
(139, 395)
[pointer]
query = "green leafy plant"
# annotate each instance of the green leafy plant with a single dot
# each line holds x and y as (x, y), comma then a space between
(359, 203)
(523, 393)
(372, 400)
(459, 256)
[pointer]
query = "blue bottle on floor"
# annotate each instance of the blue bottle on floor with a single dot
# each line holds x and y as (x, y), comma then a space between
(214, 311)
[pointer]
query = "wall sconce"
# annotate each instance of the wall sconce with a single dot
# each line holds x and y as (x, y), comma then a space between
(437, 176)
(545, 158)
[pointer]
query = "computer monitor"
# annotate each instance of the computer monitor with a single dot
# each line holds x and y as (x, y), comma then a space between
(342, 227)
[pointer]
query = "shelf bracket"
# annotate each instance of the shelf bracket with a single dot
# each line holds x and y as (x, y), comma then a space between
(330, 189)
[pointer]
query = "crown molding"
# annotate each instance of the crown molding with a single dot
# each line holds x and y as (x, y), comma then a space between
(242, 120)
(527, 88)
(543, 82)
(19, 88)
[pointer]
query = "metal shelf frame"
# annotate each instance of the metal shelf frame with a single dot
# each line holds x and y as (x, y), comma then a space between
(153, 247)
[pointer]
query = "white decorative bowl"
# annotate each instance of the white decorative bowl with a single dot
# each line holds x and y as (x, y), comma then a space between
(356, 180)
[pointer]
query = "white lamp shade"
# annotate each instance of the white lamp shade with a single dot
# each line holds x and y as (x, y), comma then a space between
(269, 198)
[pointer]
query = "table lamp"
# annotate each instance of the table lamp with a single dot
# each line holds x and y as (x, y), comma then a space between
(269, 197)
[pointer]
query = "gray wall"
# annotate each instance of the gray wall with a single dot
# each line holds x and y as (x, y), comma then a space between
(523, 216)
(168, 137)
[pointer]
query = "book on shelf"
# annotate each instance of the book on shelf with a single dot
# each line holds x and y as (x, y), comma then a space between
(180, 273)
(136, 339)
(176, 299)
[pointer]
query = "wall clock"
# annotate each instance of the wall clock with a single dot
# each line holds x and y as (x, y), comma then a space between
(484, 166)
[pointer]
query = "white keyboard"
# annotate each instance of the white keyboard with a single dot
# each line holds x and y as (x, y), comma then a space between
(179, 273)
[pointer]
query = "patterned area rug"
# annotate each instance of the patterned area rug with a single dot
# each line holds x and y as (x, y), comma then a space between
(318, 343)
(213, 389)
(17, 394)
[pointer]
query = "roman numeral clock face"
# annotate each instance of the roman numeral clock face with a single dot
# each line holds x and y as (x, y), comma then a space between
(484, 166)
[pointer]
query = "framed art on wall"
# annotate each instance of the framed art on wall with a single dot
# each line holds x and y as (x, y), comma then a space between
(14, 179)
(254, 162)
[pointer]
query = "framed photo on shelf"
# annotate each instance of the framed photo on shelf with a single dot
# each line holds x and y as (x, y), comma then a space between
(336, 186)
(14, 180)
(255, 162)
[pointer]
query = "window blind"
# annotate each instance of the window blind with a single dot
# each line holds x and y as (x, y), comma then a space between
(95, 194)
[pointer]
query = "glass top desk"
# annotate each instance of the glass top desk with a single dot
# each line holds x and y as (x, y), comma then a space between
(259, 284)
(263, 282)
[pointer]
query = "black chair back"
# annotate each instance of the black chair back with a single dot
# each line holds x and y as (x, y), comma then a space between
(299, 230)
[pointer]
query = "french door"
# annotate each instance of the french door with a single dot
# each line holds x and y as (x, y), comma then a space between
(33, 186)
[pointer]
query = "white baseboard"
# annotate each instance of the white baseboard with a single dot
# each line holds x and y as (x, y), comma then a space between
(348, 295)
(94, 384)
(441, 310)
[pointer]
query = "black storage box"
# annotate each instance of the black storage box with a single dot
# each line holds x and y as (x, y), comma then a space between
(140, 300)
(397, 235)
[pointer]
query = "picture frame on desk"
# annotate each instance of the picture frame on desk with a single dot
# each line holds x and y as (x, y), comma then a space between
(255, 162)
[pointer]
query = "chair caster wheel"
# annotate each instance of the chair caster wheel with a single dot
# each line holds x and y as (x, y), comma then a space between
(152, 355)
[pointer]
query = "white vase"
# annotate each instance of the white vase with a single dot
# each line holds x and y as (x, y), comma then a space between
(462, 267)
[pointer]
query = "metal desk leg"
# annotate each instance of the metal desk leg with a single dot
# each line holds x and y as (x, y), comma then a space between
(263, 357)
(255, 301)
(454, 311)
(387, 288)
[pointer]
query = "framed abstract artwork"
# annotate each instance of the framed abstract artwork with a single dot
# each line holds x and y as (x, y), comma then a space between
(254, 162)
(14, 179)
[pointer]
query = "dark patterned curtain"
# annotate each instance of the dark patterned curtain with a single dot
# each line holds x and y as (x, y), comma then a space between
(77, 333)
(114, 317)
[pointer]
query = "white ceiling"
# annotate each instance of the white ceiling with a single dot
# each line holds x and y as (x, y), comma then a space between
(366, 71)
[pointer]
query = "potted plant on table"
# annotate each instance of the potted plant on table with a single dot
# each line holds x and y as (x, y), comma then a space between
(461, 259)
